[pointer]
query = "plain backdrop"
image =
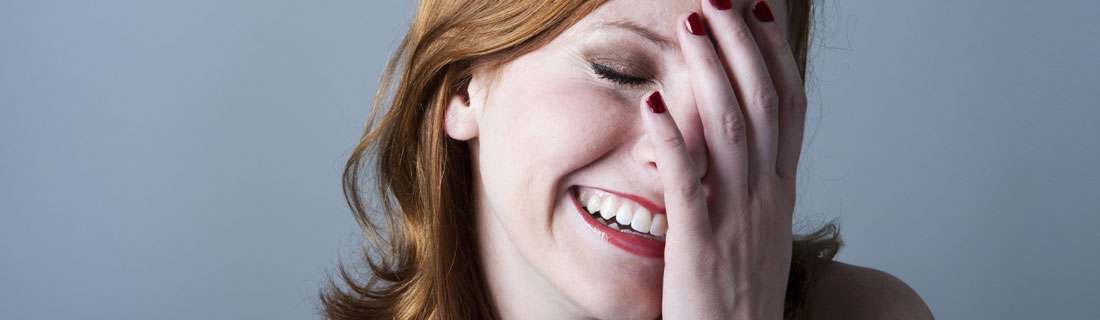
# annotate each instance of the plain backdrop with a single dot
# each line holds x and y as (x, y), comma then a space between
(181, 160)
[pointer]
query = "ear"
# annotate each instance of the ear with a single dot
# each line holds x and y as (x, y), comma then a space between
(461, 119)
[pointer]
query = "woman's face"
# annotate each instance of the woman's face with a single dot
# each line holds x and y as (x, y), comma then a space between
(564, 119)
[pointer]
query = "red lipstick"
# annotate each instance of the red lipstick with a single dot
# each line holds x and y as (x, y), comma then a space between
(634, 244)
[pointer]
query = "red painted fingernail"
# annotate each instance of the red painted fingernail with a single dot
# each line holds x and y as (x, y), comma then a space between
(763, 12)
(721, 4)
(694, 25)
(655, 103)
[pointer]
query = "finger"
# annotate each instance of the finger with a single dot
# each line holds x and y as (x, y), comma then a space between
(685, 202)
(724, 124)
(788, 84)
(752, 83)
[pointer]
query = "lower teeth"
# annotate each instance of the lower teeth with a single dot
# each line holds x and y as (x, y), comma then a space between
(615, 225)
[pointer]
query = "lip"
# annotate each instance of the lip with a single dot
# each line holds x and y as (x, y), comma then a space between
(636, 245)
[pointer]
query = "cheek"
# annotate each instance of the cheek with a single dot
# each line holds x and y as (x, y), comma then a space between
(536, 130)
(553, 125)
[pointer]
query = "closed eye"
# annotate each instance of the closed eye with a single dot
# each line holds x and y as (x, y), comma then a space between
(610, 74)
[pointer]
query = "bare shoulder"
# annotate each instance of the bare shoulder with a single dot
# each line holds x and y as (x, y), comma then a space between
(845, 291)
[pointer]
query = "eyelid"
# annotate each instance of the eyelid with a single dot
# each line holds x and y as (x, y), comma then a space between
(618, 77)
(628, 67)
(623, 60)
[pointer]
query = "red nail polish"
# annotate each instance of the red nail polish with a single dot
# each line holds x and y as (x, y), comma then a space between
(721, 4)
(694, 25)
(763, 12)
(655, 103)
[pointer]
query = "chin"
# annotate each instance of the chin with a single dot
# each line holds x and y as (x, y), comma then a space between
(617, 299)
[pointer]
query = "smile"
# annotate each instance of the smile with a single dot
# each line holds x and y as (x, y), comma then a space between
(628, 222)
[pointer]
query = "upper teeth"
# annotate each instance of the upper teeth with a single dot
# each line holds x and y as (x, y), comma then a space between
(625, 212)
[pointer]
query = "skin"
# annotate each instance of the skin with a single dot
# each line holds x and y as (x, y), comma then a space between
(546, 121)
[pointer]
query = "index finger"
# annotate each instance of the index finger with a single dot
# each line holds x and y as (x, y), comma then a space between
(685, 201)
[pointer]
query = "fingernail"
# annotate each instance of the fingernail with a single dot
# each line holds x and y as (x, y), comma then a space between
(763, 12)
(721, 4)
(694, 25)
(655, 103)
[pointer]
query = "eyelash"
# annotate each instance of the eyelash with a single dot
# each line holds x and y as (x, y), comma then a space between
(609, 74)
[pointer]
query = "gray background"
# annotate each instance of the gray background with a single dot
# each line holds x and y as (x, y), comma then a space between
(181, 160)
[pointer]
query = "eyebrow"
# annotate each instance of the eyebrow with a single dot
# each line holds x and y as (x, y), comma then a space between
(646, 33)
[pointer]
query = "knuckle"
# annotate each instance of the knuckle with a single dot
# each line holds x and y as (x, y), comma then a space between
(710, 61)
(742, 34)
(671, 142)
(781, 44)
(689, 189)
(732, 127)
(767, 100)
(796, 104)
(796, 101)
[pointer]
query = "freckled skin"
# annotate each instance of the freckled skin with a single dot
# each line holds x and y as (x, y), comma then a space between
(549, 123)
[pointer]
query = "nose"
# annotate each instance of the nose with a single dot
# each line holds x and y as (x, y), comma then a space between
(686, 115)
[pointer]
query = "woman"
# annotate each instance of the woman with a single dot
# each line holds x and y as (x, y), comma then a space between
(598, 159)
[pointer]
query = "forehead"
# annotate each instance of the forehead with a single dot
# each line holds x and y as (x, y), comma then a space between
(658, 19)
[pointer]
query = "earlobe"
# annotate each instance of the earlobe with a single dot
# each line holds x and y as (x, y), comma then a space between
(461, 121)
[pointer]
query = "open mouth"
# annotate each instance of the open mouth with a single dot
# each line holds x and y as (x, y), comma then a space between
(623, 220)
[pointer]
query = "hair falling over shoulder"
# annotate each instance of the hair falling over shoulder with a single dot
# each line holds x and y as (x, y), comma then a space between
(420, 259)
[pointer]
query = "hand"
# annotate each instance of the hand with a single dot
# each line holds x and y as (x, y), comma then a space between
(729, 257)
